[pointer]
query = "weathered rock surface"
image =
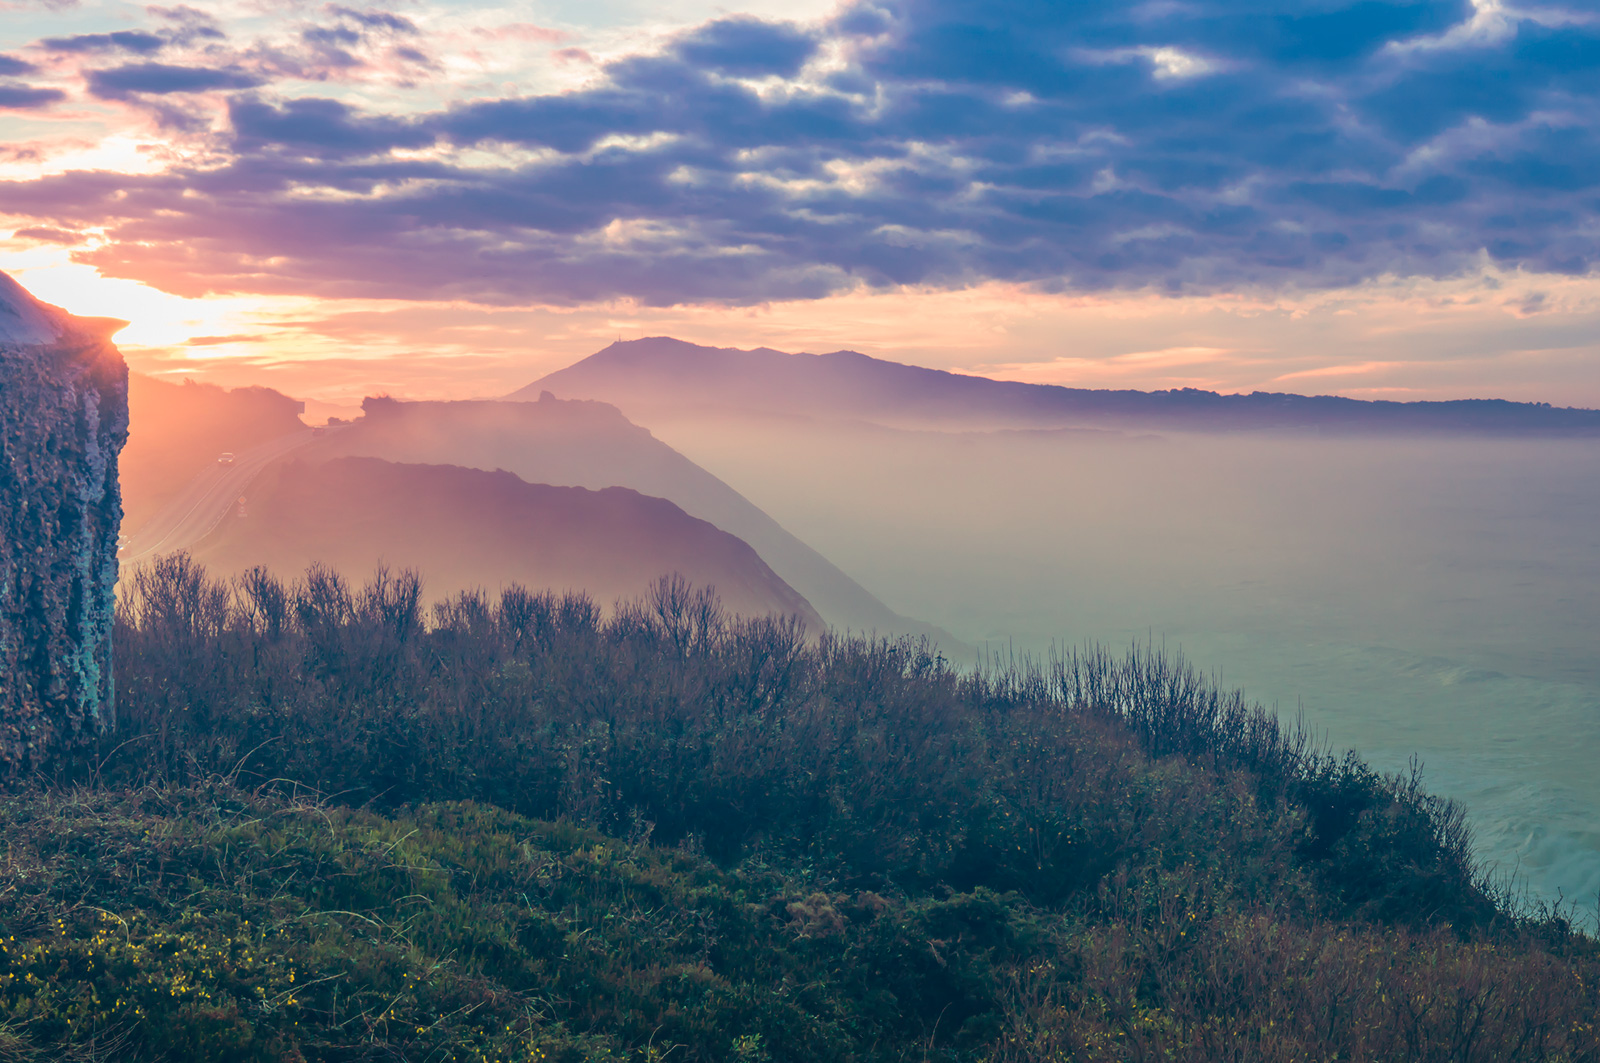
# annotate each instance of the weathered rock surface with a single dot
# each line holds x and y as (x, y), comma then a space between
(63, 420)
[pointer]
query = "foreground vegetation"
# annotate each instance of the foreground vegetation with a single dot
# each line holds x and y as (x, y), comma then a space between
(330, 828)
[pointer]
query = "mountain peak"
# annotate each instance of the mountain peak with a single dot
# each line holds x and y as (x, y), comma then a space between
(657, 348)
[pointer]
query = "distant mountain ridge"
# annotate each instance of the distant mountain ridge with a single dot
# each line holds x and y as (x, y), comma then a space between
(660, 373)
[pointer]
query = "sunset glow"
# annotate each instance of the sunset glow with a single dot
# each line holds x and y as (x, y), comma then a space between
(1471, 337)
(451, 200)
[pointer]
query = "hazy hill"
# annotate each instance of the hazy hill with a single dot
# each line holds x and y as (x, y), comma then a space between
(591, 444)
(662, 374)
(177, 430)
(468, 528)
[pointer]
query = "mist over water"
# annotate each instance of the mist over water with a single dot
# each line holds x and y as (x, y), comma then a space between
(1429, 597)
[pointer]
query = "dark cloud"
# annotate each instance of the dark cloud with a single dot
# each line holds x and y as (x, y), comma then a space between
(747, 47)
(135, 41)
(11, 66)
(346, 43)
(331, 36)
(350, 28)
(15, 97)
(375, 20)
(188, 24)
(183, 14)
(46, 235)
(160, 79)
(321, 128)
(1189, 146)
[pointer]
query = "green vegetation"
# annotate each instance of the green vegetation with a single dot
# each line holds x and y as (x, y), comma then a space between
(328, 830)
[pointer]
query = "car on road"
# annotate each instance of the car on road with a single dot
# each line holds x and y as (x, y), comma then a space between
(225, 458)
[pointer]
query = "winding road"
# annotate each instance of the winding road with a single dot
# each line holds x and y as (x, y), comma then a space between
(200, 506)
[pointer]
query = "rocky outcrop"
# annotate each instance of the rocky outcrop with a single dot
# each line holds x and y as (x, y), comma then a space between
(63, 420)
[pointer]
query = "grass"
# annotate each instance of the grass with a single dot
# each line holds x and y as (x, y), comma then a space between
(329, 828)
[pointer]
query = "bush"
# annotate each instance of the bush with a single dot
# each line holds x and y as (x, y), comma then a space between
(332, 827)
(874, 759)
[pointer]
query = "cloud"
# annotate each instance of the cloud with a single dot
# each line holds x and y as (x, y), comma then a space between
(346, 41)
(47, 235)
(344, 44)
(747, 47)
(1186, 148)
(15, 97)
(220, 341)
(134, 41)
(11, 66)
(188, 24)
(319, 127)
(1340, 371)
(522, 31)
(159, 79)
(375, 20)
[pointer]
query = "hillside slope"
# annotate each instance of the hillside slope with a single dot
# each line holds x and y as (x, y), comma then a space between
(467, 528)
(591, 444)
(548, 836)
(662, 374)
(177, 430)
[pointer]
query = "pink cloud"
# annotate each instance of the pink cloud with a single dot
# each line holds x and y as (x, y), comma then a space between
(1359, 369)
(523, 31)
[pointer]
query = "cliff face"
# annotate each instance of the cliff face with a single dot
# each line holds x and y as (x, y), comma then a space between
(63, 420)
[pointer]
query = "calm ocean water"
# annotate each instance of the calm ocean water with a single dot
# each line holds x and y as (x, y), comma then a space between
(1436, 598)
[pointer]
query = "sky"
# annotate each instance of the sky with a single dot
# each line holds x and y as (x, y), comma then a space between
(440, 198)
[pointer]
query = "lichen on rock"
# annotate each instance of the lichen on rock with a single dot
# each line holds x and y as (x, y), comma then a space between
(63, 421)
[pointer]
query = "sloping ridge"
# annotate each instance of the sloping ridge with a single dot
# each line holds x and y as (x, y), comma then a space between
(178, 430)
(641, 376)
(464, 528)
(591, 444)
